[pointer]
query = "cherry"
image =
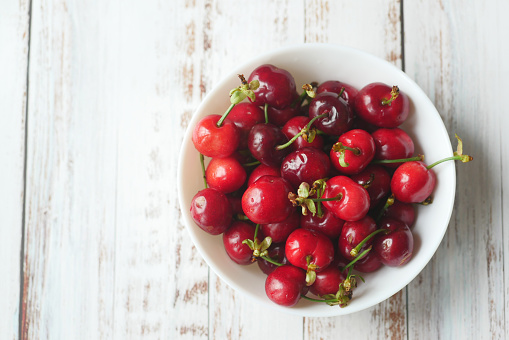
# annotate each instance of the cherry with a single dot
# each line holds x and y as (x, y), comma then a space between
(245, 116)
(262, 142)
(211, 211)
(232, 239)
(413, 182)
(392, 144)
(309, 250)
(382, 105)
(353, 152)
(266, 200)
(225, 174)
(328, 224)
(369, 263)
(339, 115)
(212, 140)
(348, 92)
(305, 165)
(285, 285)
(236, 204)
(276, 253)
(263, 170)
(277, 86)
(293, 127)
(327, 281)
(395, 247)
(351, 200)
(279, 117)
(405, 212)
(377, 182)
(353, 233)
(279, 231)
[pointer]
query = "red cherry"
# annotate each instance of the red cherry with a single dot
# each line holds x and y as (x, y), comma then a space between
(211, 211)
(293, 127)
(412, 182)
(392, 144)
(245, 116)
(276, 252)
(353, 152)
(369, 263)
(236, 204)
(353, 202)
(340, 116)
(327, 281)
(279, 231)
(382, 105)
(394, 248)
(329, 224)
(305, 165)
(405, 212)
(266, 200)
(262, 142)
(213, 141)
(277, 86)
(348, 91)
(285, 285)
(263, 170)
(353, 233)
(232, 239)
(225, 174)
(377, 182)
(279, 117)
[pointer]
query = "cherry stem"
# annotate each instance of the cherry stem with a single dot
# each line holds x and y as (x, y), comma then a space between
(223, 117)
(342, 147)
(388, 161)
(452, 158)
(268, 259)
(304, 129)
(256, 231)
(355, 251)
(202, 161)
(341, 92)
(337, 198)
(252, 163)
(266, 113)
(318, 300)
(242, 217)
(394, 95)
(388, 203)
(357, 259)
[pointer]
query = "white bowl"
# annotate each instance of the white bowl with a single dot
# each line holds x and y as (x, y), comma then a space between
(321, 62)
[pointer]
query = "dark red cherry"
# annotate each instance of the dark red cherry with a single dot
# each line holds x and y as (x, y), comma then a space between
(211, 211)
(405, 212)
(353, 233)
(245, 115)
(377, 182)
(305, 165)
(352, 202)
(412, 182)
(382, 105)
(392, 144)
(276, 252)
(232, 239)
(329, 224)
(263, 170)
(266, 200)
(334, 86)
(395, 248)
(225, 174)
(236, 204)
(339, 115)
(327, 281)
(279, 117)
(213, 141)
(279, 231)
(285, 285)
(262, 142)
(369, 263)
(277, 86)
(353, 152)
(293, 127)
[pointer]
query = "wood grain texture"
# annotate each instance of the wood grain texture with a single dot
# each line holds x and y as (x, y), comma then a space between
(461, 293)
(14, 40)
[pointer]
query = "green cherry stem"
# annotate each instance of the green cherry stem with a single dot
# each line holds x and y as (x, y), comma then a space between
(452, 158)
(306, 128)
(266, 113)
(394, 95)
(388, 161)
(318, 300)
(388, 203)
(268, 259)
(355, 251)
(256, 231)
(341, 92)
(251, 164)
(223, 117)
(337, 198)
(202, 162)
(364, 253)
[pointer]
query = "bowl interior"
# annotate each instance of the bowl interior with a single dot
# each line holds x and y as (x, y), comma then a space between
(321, 62)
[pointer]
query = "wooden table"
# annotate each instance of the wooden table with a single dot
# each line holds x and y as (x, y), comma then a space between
(95, 97)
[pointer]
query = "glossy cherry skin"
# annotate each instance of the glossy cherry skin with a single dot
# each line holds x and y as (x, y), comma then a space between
(263, 170)
(305, 165)
(245, 115)
(279, 117)
(380, 184)
(303, 244)
(359, 140)
(412, 182)
(232, 240)
(353, 233)
(339, 115)
(395, 248)
(335, 86)
(262, 142)
(277, 253)
(329, 224)
(392, 144)
(266, 200)
(405, 212)
(279, 231)
(369, 263)
(327, 281)
(285, 285)
(213, 141)
(368, 105)
(354, 202)
(211, 211)
(225, 174)
(277, 86)
(293, 127)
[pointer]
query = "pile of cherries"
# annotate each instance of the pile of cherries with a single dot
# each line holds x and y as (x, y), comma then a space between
(311, 186)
